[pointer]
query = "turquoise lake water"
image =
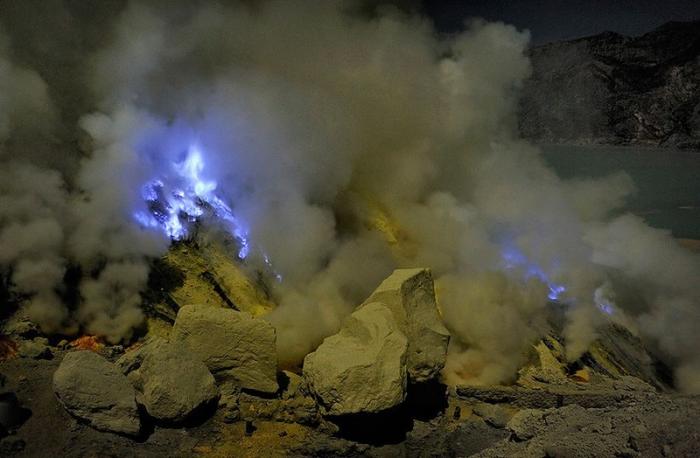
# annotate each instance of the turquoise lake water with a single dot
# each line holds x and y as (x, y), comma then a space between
(667, 181)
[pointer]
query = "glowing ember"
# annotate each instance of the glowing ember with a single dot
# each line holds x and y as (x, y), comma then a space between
(8, 348)
(92, 343)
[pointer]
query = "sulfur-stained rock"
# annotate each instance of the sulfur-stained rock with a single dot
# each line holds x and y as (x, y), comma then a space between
(548, 369)
(235, 283)
(410, 295)
(192, 285)
(170, 382)
(19, 325)
(234, 345)
(93, 389)
(362, 369)
(37, 348)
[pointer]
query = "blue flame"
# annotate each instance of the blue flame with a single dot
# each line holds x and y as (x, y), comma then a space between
(173, 208)
(606, 308)
(604, 299)
(191, 169)
(514, 258)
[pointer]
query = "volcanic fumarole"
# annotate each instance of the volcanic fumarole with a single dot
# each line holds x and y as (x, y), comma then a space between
(271, 119)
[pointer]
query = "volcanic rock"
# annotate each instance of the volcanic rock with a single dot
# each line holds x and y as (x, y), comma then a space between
(228, 274)
(548, 368)
(37, 348)
(20, 325)
(410, 295)
(206, 272)
(93, 389)
(293, 405)
(527, 423)
(234, 345)
(619, 353)
(363, 367)
(495, 415)
(610, 88)
(171, 383)
(571, 431)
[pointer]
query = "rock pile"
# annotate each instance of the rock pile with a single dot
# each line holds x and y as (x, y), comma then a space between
(393, 339)
(172, 379)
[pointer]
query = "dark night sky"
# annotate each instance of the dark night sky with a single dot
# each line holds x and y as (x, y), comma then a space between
(551, 20)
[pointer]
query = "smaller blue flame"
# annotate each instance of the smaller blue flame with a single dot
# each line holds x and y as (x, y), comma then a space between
(608, 309)
(277, 275)
(514, 258)
(604, 298)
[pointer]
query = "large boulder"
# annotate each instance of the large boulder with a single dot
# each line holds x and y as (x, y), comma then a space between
(170, 382)
(362, 369)
(93, 389)
(234, 345)
(410, 295)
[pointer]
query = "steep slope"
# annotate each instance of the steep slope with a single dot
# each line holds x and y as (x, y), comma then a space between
(613, 89)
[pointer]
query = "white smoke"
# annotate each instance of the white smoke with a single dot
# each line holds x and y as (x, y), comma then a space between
(32, 196)
(316, 121)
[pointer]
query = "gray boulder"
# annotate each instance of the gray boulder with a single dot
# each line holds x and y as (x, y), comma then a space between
(363, 367)
(234, 345)
(410, 295)
(93, 389)
(170, 382)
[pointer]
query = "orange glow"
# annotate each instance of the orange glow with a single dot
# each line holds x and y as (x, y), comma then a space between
(8, 348)
(582, 375)
(92, 343)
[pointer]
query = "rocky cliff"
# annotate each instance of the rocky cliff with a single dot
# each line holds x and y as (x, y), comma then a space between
(613, 89)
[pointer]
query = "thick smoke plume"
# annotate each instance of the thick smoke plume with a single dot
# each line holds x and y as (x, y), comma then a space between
(337, 146)
(33, 200)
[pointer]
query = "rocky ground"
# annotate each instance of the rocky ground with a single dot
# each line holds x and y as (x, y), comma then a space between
(472, 422)
(203, 380)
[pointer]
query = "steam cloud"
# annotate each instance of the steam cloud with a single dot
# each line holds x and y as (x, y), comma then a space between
(315, 122)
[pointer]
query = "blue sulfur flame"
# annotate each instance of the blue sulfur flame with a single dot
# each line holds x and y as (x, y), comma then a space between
(606, 308)
(174, 208)
(604, 299)
(514, 258)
